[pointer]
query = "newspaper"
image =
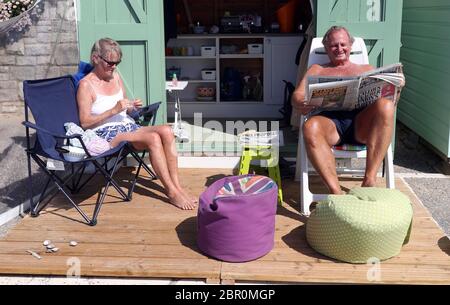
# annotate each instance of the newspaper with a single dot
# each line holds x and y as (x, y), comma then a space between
(348, 93)
(254, 138)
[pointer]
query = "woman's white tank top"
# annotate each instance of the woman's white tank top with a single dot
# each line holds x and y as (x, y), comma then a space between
(106, 102)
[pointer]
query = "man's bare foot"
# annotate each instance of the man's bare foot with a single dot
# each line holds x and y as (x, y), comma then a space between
(180, 201)
(369, 182)
(339, 192)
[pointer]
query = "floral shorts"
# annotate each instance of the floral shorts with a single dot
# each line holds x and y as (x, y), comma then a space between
(109, 132)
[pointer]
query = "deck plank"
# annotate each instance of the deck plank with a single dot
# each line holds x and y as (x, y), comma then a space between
(149, 238)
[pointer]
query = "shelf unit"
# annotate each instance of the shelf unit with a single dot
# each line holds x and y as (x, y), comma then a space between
(278, 56)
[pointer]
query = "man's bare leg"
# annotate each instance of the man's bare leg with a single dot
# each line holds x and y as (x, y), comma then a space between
(320, 135)
(374, 126)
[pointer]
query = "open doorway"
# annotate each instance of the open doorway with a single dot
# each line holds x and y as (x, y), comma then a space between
(233, 54)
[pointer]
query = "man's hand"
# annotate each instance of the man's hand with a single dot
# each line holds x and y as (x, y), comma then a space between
(299, 100)
(303, 107)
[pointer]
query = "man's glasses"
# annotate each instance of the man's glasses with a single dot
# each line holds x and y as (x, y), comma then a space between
(110, 63)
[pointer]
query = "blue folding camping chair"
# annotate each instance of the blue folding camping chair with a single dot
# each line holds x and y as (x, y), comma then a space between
(52, 103)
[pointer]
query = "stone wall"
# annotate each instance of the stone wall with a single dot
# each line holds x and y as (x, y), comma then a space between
(47, 48)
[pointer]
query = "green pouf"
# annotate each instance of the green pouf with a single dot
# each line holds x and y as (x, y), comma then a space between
(365, 224)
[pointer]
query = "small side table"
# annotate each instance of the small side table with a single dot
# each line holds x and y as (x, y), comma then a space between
(178, 130)
(260, 152)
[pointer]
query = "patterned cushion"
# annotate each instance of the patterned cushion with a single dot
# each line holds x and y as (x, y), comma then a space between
(350, 147)
(367, 223)
(245, 186)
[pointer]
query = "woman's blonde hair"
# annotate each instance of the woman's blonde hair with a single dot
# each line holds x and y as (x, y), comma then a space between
(104, 46)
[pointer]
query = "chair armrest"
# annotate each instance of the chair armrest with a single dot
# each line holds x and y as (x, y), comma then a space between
(37, 128)
(146, 115)
(64, 137)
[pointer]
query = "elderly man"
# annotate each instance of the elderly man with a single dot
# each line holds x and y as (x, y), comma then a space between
(371, 126)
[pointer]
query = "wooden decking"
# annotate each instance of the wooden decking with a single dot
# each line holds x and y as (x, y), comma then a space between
(149, 238)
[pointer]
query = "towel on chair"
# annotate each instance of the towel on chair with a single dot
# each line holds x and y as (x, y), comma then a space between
(94, 144)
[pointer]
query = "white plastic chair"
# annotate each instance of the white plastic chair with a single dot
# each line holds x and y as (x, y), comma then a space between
(318, 55)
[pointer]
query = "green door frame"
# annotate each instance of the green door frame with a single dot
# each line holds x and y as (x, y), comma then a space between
(383, 37)
(138, 25)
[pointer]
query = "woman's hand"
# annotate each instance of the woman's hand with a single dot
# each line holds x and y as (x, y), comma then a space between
(120, 106)
(137, 103)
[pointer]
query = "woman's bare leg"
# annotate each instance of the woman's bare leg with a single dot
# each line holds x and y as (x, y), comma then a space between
(152, 142)
(168, 141)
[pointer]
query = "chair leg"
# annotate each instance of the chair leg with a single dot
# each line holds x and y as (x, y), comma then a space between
(244, 166)
(61, 187)
(109, 178)
(133, 183)
(274, 173)
(37, 208)
(389, 168)
(30, 185)
(306, 197)
(140, 160)
(298, 173)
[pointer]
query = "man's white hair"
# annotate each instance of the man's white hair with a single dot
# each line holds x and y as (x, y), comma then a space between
(335, 28)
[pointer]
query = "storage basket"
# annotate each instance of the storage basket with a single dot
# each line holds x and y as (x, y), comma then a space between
(208, 74)
(255, 48)
(208, 51)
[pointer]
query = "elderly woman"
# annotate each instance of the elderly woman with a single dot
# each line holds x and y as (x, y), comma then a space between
(103, 107)
(371, 126)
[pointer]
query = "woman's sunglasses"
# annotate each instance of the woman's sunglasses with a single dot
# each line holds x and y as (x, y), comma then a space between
(110, 63)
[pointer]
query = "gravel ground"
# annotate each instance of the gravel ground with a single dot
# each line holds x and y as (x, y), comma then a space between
(434, 194)
(414, 157)
(6, 227)
(13, 163)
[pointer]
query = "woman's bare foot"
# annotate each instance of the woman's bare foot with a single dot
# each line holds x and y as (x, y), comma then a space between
(188, 195)
(180, 201)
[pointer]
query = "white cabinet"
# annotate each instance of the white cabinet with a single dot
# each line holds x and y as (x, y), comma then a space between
(270, 57)
(279, 65)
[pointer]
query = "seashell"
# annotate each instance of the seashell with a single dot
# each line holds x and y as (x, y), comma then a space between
(51, 246)
(73, 243)
(55, 250)
(34, 254)
(46, 243)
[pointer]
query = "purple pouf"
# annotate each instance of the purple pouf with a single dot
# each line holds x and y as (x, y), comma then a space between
(236, 218)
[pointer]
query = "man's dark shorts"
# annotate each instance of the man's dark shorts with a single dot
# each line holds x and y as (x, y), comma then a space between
(345, 124)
